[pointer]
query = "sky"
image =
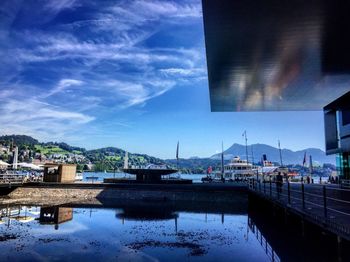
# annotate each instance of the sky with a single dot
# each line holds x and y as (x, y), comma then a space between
(130, 74)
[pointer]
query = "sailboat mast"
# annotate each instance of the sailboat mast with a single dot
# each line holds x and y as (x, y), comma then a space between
(279, 148)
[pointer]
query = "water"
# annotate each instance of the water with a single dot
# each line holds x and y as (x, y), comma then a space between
(196, 178)
(126, 234)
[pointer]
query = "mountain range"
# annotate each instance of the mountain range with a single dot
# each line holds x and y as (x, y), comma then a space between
(112, 156)
(256, 151)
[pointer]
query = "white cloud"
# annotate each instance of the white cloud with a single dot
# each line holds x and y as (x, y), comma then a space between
(59, 5)
(183, 71)
(138, 93)
(104, 63)
(63, 85)
(39, 119)
(167, 8)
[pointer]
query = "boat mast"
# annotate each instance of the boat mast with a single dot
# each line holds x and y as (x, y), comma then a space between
(279, 148)
(246, 144)
(222, 158)
(311, 166)
(177, 156)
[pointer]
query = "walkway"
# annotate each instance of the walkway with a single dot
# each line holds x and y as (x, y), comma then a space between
(327, 206)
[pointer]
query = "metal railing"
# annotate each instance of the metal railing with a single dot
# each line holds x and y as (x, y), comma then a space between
(8, 178)
(326, 205)
(344, 183)
(269, 251)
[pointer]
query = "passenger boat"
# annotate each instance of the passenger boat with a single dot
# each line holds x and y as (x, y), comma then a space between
(238, 170)
(79, 176)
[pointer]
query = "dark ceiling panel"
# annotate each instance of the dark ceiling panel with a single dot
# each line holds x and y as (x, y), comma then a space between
(276, 54)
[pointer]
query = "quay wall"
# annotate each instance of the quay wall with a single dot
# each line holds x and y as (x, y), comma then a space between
(200, 193)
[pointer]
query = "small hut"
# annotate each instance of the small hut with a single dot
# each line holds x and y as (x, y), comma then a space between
(60, 173)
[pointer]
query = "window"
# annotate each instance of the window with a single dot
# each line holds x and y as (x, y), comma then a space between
(345, 117)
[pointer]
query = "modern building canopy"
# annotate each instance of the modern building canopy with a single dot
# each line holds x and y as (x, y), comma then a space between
(267, 55)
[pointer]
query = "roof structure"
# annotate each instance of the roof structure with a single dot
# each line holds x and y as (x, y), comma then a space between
(270, 55)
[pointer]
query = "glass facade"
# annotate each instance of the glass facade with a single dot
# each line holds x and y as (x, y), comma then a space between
(337, 133)
(343, 167)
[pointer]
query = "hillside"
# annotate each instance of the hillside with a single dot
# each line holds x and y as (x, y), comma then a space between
(112, 158)
(288, 156)
(109, 158)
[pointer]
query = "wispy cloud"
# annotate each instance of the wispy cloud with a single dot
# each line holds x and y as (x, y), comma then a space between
(63, 85)
(33, 117)
(59, 5)
(62, 74)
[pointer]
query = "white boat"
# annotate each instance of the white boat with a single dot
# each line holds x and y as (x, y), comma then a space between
(238, 170)
(79, 176)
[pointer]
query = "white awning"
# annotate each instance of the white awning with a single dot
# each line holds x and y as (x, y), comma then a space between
(2, 163)
(29, 165)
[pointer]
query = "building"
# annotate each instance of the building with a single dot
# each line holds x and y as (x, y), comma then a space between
(278, 55)
(337, 132)
(61, 173)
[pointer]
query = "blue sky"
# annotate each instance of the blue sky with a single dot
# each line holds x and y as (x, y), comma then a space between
(130, 74)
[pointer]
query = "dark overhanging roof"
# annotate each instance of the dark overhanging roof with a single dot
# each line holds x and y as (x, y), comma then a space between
(266, 55)
(341, 103)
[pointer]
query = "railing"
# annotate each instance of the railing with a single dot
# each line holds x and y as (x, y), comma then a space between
(345, 183)
(326, 205)
(270, 252)
(8, 178)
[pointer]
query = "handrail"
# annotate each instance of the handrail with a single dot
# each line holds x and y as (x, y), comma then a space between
(286, 194)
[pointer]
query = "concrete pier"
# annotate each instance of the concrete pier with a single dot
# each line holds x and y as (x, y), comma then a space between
(210, 193)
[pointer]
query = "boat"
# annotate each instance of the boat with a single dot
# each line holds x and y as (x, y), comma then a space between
(238, 170)
(79, 176)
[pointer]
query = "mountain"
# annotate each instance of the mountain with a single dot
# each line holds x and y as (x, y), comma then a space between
(111, 157)
(273, 155)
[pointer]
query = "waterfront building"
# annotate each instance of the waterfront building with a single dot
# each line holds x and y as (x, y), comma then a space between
(60, 173)
(282, 56)
(337, 133)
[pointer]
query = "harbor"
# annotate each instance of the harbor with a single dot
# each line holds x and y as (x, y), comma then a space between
(174, 130)
(131, 227)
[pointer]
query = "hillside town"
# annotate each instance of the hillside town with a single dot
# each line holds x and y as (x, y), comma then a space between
(23, 152)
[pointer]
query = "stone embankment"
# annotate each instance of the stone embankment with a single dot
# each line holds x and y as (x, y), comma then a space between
(53, 192)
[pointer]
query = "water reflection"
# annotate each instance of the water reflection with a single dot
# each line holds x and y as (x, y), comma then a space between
(146, 213)
(55, 215)
(285, 237)
(142, 232)
(270, 252)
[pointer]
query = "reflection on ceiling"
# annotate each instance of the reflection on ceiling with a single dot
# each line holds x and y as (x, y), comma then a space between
(276, 54)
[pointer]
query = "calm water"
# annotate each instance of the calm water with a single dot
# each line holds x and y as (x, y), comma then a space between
(129, 234)
(196, 178)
